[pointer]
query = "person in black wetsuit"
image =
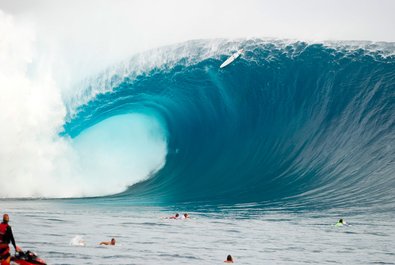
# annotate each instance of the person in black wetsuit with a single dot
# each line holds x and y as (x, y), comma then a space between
(6, 237)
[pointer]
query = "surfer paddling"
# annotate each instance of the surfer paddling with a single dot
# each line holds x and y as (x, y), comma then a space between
(108, 243)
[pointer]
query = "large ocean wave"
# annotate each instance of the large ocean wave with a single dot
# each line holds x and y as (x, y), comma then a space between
(288, 121)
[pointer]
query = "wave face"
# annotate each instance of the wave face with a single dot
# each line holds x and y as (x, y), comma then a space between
(291, 122)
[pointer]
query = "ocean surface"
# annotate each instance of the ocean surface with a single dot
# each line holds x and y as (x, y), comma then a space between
(265, 155)
(251, 234)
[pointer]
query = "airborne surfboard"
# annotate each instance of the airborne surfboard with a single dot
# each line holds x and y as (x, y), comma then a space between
(231, 58)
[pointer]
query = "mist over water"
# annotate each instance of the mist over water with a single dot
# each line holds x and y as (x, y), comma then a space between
(36, 160)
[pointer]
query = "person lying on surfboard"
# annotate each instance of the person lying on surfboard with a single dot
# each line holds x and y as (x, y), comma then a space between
(185, 216)
(108, 243)
(176, 216)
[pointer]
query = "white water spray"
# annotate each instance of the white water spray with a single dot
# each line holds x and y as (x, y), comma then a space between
(34, 160)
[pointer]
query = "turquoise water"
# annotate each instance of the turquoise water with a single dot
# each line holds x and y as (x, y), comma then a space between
(251, 235)
(307, 123)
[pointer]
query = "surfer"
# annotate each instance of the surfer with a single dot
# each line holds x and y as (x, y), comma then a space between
(6, 237)
(176, 216)
(229, 259)
(341, 222)
(185, 216)
(108, 243)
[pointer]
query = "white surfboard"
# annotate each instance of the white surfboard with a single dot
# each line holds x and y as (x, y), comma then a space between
(231, 58)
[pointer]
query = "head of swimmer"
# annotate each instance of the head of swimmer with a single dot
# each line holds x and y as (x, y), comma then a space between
(6, 218)
(112, 241)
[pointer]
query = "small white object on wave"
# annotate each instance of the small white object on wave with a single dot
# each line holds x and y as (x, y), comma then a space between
(232, 58)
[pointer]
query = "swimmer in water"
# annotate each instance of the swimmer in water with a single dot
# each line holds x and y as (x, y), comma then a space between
(108, 243)
(176, 216)
(341, 222)
(229, 259)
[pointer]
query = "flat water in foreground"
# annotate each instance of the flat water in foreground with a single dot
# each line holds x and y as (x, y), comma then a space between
(251, 237)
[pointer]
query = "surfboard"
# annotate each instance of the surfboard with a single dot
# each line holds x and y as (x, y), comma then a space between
(231, 58)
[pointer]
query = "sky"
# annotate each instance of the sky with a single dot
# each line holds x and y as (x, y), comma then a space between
(152, 20)
(95, 33)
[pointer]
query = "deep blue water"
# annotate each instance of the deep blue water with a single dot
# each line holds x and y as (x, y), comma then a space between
(297, 124)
